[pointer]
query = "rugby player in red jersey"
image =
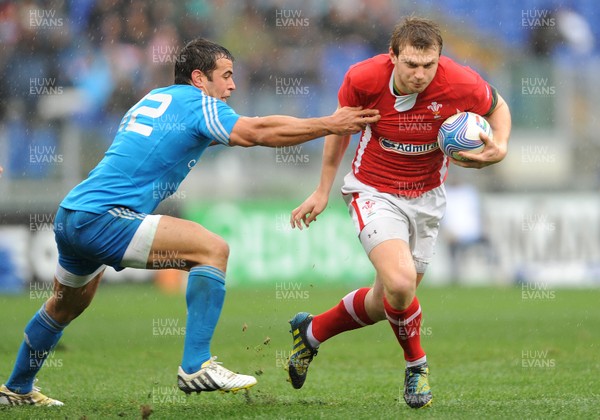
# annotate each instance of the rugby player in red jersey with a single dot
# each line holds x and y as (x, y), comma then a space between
(394, 191)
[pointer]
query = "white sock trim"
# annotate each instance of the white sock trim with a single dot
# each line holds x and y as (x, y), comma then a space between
(314, 343)
(349, 306)
(416, 362)
(406, 321)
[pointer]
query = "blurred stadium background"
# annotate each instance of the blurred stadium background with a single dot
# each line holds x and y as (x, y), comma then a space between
(70, 70)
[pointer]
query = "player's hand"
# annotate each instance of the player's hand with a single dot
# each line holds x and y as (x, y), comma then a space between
(491, 153)
(350, 120)
(308, 211)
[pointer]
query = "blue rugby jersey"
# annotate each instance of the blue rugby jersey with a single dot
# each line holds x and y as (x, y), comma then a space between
(158, 142)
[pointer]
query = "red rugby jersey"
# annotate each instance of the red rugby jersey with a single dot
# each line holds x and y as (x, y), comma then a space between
(399, 154)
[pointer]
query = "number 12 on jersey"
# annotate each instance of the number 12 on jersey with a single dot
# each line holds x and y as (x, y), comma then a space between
(130, 122)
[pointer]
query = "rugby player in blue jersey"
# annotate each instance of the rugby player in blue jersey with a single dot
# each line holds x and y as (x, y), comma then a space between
(106, 220)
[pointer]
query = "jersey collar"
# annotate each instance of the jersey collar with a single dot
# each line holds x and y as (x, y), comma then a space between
(402, 102)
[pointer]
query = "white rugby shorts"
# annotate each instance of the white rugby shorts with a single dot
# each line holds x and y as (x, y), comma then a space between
(379, 217)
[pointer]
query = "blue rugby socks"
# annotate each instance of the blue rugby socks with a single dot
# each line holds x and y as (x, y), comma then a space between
(205, 295)
(41, 335)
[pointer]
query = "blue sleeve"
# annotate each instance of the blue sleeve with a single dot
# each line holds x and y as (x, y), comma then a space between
(218, 120)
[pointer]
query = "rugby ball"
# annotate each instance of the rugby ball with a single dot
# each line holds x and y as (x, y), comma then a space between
(460, 133)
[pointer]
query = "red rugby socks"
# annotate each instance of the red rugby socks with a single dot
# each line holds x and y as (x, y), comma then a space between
(407, 328)
(349, 314)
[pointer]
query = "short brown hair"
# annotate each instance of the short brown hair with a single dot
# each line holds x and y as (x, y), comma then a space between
(198, 54)
(418, 32)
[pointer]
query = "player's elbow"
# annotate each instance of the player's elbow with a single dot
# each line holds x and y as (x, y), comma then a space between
(249, 132)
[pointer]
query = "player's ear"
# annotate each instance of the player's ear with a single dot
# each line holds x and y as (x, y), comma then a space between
(198, 79)
(393, 56)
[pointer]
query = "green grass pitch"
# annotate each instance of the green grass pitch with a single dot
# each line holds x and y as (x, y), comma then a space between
(493, 353)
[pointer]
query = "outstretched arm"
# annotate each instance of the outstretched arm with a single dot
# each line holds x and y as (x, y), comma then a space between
(277, 130)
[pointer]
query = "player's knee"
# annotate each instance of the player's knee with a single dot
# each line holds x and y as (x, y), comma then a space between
(400, 291)
(216, 253)
(401, 288)
(221, 251)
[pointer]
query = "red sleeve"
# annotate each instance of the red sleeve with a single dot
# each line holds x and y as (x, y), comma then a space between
(365, 81)
(482, 96)
(476, 94)
(347, 95)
